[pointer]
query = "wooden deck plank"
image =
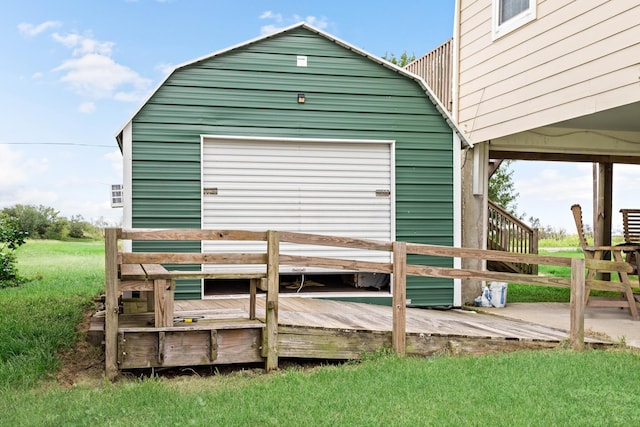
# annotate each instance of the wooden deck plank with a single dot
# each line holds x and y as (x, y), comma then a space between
(153, 269)
(317, 328)
(319, 313)
(132, 272)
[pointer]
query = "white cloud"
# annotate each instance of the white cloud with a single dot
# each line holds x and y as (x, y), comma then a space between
(11, 171)
(87, 107)
(37, 75)
(83, 45)
(267, 14)
(16, 176)
(15, 170)
(269, 29)
(31, 30)
(628, 175)
(98, 76)
(165, 68)
(556, 185)
(548, 189)
(91, 72)
(320, 23)
(280, 22)
(115, 158)
(35, 196)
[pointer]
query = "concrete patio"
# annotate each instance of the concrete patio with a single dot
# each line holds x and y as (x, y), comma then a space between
(602, 322)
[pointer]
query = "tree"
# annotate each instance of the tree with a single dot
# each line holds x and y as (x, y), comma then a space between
(77, 227)
(401, 62)
(43, 222)
(35, 220)
(11, 237)
(502, 190)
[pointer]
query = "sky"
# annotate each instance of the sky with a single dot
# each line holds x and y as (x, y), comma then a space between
(76, 70)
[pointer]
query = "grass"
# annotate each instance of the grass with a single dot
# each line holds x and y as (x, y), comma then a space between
(39, 319)
(530, 293)
(525, 388)
(572, 241)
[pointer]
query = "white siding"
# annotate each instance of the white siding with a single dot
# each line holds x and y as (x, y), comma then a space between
(563, 65)
(309, 186)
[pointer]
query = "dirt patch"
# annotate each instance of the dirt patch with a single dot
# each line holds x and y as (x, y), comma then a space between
(83, 364)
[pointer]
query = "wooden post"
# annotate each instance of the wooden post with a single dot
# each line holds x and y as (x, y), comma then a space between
(534, 249)
(399, 330)
(163, 303)
(603, 211)
(253, 285)
(270, 338)
(576, 335)
(111, 303)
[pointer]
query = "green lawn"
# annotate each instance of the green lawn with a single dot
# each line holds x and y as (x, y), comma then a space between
(39, 319)
(530, 293)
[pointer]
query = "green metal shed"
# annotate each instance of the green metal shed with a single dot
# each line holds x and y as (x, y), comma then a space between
(296, 130)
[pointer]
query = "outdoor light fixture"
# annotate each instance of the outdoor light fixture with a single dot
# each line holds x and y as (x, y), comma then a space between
(301, 98)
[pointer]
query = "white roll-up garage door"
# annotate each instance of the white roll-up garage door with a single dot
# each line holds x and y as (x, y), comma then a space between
(341, 188)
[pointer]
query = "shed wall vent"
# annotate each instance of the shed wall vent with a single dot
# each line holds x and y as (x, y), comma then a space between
(116, 196)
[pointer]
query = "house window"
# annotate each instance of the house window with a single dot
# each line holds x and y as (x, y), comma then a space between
(509, 15)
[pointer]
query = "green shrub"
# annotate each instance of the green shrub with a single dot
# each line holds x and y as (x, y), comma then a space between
(11, 237)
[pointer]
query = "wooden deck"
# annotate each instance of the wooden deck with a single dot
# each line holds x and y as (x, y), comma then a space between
(268, 327)
(329, 314)
(311, 328)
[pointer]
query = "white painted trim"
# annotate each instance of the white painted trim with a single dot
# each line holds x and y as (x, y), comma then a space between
(456, 62)
(201, 206)
(284, 139)
(457, 215)
(392, 185)
(127, 181)
(480, 162)
(499, 30)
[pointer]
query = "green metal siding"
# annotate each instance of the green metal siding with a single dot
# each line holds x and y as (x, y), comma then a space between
(252, 91)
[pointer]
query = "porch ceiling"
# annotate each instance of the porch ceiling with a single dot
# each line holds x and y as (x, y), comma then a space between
(625, 118)
(611, 136)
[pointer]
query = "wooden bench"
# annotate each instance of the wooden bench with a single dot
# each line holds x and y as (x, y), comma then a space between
(155, 281)
(631, 225)
(159, 285)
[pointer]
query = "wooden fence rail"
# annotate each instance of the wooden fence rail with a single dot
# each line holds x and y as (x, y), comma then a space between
(273, 259)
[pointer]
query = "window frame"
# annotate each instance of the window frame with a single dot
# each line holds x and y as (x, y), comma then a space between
(515, 22)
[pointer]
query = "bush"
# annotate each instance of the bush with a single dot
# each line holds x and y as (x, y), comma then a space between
(11, 237)
(43, 222)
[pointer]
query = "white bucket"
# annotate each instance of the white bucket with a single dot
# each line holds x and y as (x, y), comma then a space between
(498, 294)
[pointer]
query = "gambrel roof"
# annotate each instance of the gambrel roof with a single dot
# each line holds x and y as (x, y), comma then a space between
(425, 87)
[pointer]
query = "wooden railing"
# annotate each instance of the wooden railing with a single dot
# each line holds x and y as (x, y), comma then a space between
(509, 234)
(157, 279)
(631, 225)
(436, 68)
